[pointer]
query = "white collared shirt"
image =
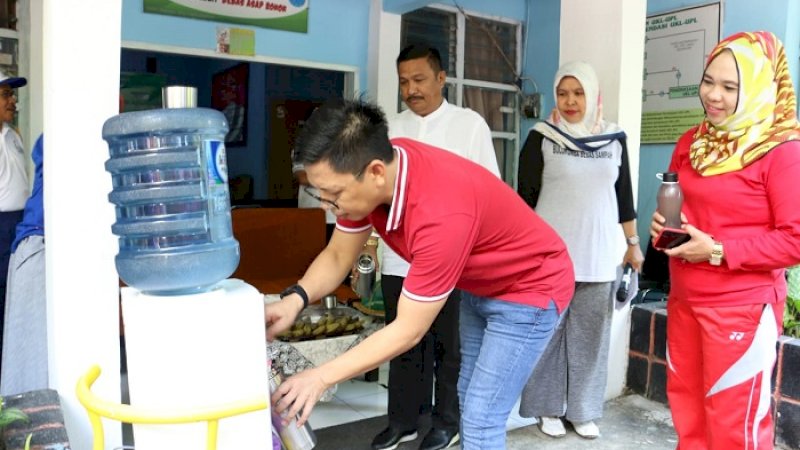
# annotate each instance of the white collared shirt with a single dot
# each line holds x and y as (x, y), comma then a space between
(14, 185)
(459, 130)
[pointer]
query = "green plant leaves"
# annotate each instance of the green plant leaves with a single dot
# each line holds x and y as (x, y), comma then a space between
(791, 317)
(10, 415)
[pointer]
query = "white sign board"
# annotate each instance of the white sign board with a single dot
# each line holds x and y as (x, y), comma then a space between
(676, 46)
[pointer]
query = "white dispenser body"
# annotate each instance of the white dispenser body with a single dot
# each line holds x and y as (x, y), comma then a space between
(191, 351)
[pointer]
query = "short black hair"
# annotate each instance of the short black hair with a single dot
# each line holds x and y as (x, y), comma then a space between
(415, 51)
(348, 134)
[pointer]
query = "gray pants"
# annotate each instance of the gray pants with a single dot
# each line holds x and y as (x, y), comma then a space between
(573, 369)
(25, 335)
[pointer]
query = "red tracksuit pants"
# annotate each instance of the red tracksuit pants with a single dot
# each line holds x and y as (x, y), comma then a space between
(720, 362)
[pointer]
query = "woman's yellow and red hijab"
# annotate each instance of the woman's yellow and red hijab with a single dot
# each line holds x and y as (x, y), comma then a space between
(765, 113)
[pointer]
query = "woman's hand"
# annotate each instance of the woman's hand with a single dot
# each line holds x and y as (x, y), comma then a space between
(697, 249)
(634, 257)
(298, 394)
(657, 224)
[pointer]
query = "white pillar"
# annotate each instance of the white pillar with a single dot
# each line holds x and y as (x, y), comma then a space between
(383, 48)
(81, 60)
(609, 34)
(30, 100)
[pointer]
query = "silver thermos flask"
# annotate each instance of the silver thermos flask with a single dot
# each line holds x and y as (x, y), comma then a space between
(366, 276)
(292, 436)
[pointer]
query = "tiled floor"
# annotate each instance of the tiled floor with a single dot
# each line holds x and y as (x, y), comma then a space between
(357, 399)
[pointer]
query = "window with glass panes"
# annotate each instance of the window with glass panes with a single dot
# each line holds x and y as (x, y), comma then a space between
(481, 57)
(8, 14)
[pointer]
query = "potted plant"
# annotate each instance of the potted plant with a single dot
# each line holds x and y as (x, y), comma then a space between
(791, 314)
(9, 416)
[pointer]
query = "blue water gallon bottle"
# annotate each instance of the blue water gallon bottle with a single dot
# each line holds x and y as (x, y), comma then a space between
(170, 191)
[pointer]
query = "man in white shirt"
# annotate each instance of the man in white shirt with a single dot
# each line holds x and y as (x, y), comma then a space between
(14, 184)
(432, 120)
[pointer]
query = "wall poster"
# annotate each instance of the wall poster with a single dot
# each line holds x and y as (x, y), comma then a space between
(236, 41)
(229, 95)
(289, 15)
(677, 44)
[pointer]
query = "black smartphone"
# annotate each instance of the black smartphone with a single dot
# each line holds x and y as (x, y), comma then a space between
(671, 238)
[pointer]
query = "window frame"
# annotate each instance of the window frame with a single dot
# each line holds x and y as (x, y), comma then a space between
(507, 170)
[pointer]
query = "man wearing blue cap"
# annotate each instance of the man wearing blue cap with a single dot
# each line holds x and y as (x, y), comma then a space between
(14, 184)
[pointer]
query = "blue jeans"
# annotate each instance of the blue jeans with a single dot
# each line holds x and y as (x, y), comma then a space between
(500, 344)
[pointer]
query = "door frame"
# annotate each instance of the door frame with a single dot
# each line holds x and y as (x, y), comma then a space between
(351, 79)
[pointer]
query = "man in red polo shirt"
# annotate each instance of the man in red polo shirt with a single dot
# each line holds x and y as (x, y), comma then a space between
(460, 227)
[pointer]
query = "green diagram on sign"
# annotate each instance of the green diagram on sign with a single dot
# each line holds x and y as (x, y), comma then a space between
(677, 44)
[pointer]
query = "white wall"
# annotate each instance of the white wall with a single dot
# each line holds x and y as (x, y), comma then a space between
(609, 34)
(81, 46)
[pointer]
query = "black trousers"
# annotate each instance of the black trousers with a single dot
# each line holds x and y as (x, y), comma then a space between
(411, 375)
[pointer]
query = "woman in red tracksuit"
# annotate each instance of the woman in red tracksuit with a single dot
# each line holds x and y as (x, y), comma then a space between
(738, 171)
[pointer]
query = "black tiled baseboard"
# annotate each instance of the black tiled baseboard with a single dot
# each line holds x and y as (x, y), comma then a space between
(787, 426)
(657, 389)
(790, 368)
(636, 379)
(660, 334)
(640, 330)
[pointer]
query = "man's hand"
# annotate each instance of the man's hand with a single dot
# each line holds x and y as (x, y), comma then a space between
(279, 316)
(298, 395)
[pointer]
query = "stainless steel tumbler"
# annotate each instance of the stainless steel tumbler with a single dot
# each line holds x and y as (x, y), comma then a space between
(292, 436)
(366, 276)
(179, 97)
(330, 301)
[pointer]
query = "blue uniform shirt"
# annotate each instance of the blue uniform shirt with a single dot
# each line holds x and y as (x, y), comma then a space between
(33, 218)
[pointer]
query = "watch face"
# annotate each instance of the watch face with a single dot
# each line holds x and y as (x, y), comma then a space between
(633, 240)
(716, 255)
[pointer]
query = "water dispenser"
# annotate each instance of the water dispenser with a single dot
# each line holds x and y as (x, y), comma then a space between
(170, 191)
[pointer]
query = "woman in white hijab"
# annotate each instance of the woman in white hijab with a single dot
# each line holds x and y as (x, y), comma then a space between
(573, 171)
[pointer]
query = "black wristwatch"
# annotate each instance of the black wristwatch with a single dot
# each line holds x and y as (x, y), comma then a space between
(296, 289)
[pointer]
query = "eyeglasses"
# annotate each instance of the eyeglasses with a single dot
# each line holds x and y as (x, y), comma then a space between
(7, 94)
(316, 197)
(332, 203)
